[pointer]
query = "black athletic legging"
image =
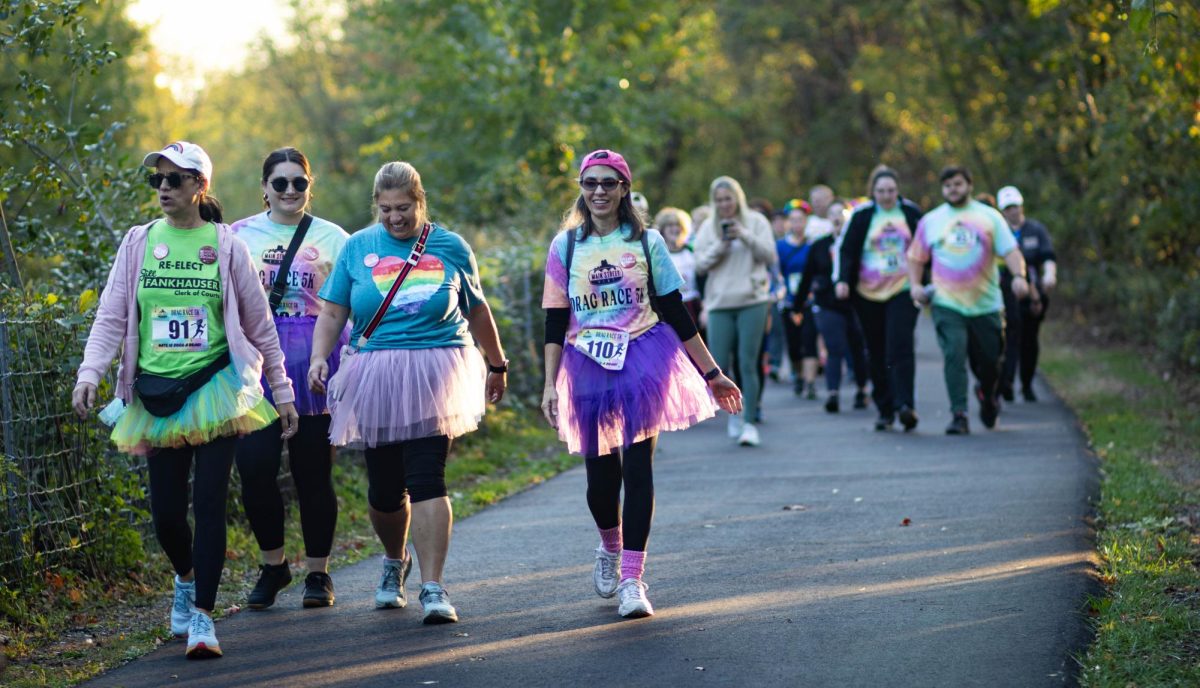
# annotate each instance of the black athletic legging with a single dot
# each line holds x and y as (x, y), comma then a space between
(416, 468)
(310, 458)
(169, 470)
(605, 475)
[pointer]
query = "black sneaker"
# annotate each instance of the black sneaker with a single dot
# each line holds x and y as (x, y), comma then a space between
(1006, 391)
(832, 404)
(318, 589)
(798, 387)
(810, 392)
(1027, 394)
(884, 422)
(908, 418)
(860, 400)
(989, 410)
(959, 425)
(271, 579)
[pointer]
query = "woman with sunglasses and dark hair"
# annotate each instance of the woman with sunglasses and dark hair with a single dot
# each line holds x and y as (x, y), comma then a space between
(620, 347)
(287, 191)
(184, 300)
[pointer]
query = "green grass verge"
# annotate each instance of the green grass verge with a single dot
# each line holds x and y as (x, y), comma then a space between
(63, 629)
(1146, 435)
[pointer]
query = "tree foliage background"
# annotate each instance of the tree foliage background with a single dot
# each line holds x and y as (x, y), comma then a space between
(1092, 109)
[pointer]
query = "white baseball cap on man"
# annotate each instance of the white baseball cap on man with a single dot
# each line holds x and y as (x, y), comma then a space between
(187, 155)
(1007, 196)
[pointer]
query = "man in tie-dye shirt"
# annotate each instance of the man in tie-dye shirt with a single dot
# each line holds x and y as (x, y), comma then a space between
(962, 239)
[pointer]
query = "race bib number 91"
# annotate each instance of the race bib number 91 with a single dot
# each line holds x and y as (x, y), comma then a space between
(606, 347)
(180, 328)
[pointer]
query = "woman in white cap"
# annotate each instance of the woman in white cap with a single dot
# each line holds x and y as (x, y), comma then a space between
(184, 301)
(1024, 316)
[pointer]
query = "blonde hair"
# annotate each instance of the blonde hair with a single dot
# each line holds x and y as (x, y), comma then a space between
(684, 220)
(399, 175)
(732, 184)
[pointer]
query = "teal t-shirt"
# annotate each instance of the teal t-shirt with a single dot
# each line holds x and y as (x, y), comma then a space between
(430, 309)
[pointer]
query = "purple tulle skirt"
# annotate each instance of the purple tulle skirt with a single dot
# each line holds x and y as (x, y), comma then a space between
(658, 390)
(392, 395)
(295, 338)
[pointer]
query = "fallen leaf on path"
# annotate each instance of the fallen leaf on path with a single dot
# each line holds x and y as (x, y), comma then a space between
(795, 507)
(857, 500)
(906, 522)
(699, 668)
(463, 635)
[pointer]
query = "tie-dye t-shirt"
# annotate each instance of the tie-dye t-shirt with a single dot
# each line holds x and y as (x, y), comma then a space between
(963, 244)
(883, 272)
(269, 241)
(430, 309)
(608, 281)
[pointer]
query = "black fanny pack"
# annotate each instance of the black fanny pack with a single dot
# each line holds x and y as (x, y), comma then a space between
(163, 396)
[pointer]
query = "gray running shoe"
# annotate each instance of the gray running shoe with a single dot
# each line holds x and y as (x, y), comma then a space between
(390, 593)
(435, 601)
(606, 573)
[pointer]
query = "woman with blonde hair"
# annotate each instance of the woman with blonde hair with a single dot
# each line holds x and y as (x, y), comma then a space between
(735, 248)
(675, 225)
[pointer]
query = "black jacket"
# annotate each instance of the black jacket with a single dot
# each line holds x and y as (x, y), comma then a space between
(850, 256)
(818, 277)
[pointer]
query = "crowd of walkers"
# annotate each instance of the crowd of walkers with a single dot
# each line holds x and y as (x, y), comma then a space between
(283, 328)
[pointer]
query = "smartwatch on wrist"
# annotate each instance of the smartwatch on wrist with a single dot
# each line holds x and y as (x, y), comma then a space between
(712, 374)
(500, 369)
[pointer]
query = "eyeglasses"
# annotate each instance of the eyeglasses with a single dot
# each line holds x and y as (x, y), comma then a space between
(608, 183)
(174, 179)
(280, 184)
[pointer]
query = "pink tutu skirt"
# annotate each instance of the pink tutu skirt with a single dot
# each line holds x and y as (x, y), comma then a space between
(392, 395)
(658, 390)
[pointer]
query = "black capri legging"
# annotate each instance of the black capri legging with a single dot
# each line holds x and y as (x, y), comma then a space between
(416, 468)
(802, 338)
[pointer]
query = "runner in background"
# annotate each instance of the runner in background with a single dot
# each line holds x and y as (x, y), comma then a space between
(617, 375)
(676, 229)
(800, 327)
(185, 307)
(820, 197)
(286, 191)
(1025, 322)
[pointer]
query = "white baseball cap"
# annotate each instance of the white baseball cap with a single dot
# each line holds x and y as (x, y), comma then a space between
(187, 155)
(1009, 196)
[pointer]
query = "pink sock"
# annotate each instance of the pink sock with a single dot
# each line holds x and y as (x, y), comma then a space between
(610, 539)
(632, 564)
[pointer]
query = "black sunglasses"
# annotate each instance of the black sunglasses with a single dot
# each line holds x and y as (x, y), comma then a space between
(174, 179)
(280, 184)
(609, 183)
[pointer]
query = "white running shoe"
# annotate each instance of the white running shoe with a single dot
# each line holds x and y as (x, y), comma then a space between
(634, 605)
(183, 606)
(436, 603)
(605, 575)
(202, 638)
(390, 593)
(749, 436)
(734, 426)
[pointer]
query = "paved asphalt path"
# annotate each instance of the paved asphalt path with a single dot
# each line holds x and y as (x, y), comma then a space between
(985, 587)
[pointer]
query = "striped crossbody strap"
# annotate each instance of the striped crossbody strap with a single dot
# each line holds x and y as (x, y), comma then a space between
(414, 257)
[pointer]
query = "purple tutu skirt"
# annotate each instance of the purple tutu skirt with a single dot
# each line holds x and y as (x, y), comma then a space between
(295, 338)
(392, 395)
(658, 390)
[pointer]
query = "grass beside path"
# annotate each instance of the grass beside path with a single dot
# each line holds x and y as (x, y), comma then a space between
(1146, 432)
(64, 629)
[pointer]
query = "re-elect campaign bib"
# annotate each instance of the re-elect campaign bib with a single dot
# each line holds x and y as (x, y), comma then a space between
(606, 347)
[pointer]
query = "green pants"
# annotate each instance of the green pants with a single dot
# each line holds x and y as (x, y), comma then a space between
(743, 328)
(978, 340)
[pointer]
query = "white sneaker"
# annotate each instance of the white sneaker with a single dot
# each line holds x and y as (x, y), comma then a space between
(634, 605)
(435, 601)
(605, 575)
(390, 592)
(202, 638)
(734, 426)
(183, 606)
(749, 436)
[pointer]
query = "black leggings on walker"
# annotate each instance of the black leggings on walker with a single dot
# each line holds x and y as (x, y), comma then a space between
(605, 474)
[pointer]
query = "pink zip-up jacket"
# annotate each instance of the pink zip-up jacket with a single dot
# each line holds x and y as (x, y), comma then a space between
(249, 327)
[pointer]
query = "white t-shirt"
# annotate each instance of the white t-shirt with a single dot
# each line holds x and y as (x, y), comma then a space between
(816, 228)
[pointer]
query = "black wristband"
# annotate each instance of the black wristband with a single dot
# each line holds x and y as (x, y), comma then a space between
(500, 369)
(712, 374)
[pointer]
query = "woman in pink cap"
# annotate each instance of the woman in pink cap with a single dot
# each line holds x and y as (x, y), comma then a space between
(184, 301)
(623, 363)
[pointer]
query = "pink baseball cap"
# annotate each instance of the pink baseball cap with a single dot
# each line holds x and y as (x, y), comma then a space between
(606, 157)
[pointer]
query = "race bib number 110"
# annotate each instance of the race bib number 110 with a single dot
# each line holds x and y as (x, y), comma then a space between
(606, 347)
(180, 328)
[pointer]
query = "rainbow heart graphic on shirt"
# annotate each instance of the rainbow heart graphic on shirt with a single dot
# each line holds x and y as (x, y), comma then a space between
(420, 285)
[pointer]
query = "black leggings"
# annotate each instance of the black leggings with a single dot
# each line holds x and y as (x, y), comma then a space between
(1021, 339)
(888, 330)
(169, 469)
(416, 468)
(310, 458)
(604, 477)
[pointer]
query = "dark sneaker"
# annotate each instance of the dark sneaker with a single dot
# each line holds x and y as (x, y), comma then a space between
(860, 400)
(989, 410)
(271, 579)
(908, 418)
(810, 392)
(832, 403)
(318, 589)
(884, 422)
(959, 425)
(1027, 394)
(798, 387)
(1006, 392)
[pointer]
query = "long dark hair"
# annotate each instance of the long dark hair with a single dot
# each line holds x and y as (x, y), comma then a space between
(578, 215)
(281, 155)
(210, 207)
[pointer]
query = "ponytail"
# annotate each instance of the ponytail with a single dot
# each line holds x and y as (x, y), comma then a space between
(210, 208)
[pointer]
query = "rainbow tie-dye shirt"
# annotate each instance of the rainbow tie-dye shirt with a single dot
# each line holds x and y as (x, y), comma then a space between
(883, 271)
(269, 241)
(609, 277)
(963, 244)
(430, 309)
